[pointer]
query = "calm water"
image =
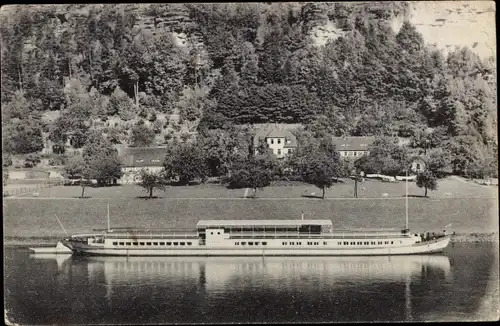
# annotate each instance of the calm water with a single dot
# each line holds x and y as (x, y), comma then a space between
(461, 284)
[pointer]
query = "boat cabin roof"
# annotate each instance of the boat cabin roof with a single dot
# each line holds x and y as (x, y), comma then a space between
(222, 223)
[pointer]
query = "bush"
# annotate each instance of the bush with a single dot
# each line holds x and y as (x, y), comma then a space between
(152, 117)
(6, 160)
(58, 160)
(32, 160)
(157, 126)
(168, 137)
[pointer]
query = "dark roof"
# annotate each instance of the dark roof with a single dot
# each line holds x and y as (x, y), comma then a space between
(275, 133)
(143, 156)
(354, 143)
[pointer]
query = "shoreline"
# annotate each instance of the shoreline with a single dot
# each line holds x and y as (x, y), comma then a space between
(10, 241)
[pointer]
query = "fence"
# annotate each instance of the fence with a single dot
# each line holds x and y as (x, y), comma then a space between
(19, 189)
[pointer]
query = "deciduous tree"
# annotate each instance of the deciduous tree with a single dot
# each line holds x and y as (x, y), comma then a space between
(427, 180)
(150, 180)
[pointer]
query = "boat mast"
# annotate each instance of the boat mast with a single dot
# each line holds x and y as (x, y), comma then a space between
(406, 197)
(109, 229)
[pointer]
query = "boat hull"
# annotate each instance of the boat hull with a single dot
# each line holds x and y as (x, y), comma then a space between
(427, 247)
(58, 249)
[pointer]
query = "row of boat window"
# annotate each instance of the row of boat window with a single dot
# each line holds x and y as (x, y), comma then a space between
(152, 243)
(251, 243)
(341, 243)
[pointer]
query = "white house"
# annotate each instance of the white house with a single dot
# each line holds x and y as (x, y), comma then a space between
(281, 142)
(138, 158)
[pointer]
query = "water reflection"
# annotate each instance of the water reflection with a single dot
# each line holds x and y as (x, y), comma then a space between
(222, 273)
(256, 289)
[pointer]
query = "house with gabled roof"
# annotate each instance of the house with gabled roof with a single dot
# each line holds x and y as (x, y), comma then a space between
(353, 146)
(138, 158)
(282, 142)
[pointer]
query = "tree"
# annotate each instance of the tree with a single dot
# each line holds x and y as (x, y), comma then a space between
(320, 171)
(438, 160)
(77, 168)
(427, 180)
(141, 135)
(23, 136)
(386, 156)
(318, 164)
(186, 162)
(151, 180)
(251, 173)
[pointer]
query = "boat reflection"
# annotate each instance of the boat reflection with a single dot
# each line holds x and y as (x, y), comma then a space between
(216, 273)
(60, 259)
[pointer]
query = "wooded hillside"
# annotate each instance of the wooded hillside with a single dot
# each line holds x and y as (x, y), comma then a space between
(238, 63)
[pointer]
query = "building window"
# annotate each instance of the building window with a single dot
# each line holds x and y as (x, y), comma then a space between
(148, 243)
(243, 243)
(380, 242)
(418, 166)
(299, 243)
(176, 243)
(289, 151)
(392, 242)
(355, 153)
(141, 243)
(353, 243)
(128, 244)
(346, 243)
(279, 151)
(373, 242)
(188, 243)
(339, 243)
(386, 242)
(292, 243)
(182, 243)
(264, 243)
(162, 243)
(169, 243)
(257, 243)
(236, 243)
(135, 243)
(122, 243)
(272, 141)
(155, 243)
(211, 233)
(345, 153)
(218, 233)
(279, 140)
(115, 243)
(250, 243)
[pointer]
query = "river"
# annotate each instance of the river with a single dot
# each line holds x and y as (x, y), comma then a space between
(460, 284)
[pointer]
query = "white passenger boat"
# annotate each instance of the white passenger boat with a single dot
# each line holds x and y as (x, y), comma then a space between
(256, 238)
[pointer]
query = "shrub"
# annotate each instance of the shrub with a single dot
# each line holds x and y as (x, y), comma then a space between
(58, 160)
(6, 160)
(32, 160)
(157, 126)
(152, 117)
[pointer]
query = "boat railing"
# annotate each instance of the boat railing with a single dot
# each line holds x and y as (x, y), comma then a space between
(173, 235)
(316, 236)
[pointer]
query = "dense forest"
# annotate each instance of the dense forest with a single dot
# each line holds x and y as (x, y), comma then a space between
(220, 64)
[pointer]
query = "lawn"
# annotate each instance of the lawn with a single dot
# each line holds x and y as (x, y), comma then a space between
(447, 188)
(184, 206)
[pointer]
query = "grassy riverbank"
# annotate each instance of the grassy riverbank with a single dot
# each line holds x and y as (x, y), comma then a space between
(470, 208)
